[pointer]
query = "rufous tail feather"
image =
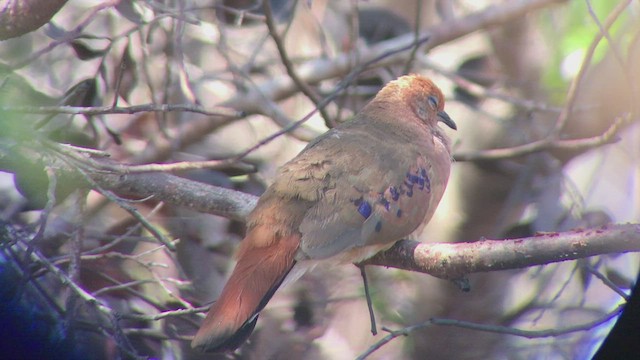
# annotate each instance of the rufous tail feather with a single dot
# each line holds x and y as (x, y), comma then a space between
(259, 272)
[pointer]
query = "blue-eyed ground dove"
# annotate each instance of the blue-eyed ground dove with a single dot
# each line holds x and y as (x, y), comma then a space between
(349, 194)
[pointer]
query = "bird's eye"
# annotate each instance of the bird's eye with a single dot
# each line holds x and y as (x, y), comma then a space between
(433, 102)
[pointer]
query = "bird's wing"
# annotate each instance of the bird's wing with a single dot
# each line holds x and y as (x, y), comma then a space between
(358, 197)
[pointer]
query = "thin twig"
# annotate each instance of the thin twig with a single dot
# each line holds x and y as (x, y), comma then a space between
(605, 280)
(605, 32)
(102, 110)
(52, 184)
(236, 166)
(121, 69)
(575, 84)
(416, 33)
(367, 294)
(303, 86)
(483, 92)
(546, 144)
(496, 329)
(167, 314)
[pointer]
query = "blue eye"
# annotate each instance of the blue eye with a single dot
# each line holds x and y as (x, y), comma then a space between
(433, 101)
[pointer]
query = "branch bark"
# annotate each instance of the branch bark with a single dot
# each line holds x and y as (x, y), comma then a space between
(453, 261)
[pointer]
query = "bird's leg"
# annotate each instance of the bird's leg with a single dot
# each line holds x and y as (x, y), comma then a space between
(372, 315)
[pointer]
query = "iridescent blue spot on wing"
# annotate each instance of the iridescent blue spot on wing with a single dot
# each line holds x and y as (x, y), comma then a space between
(408, 184)
(378, 226)
(364, 209)
(384, 202)
(399, 213)
(414, 179)
(395, 194)
(427, 183)
(423, 172)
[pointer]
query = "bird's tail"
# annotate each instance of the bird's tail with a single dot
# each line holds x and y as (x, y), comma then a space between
(262, 266)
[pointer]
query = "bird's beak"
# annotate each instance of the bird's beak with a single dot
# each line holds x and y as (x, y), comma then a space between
(444, 117)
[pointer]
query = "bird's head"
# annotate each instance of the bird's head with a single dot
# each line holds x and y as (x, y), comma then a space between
(423, 97)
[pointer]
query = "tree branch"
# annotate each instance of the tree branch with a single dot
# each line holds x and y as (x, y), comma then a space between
(182, 192)
(453, 261)
(286, 61)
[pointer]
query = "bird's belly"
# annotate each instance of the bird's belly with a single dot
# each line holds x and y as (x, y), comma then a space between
(359, 254)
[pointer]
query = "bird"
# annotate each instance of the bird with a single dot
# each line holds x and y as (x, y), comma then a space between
(350, 193)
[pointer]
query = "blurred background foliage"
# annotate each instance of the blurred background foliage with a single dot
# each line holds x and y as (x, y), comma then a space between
(572, 37)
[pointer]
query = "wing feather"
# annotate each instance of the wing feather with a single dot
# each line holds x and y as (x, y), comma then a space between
(376, 200)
